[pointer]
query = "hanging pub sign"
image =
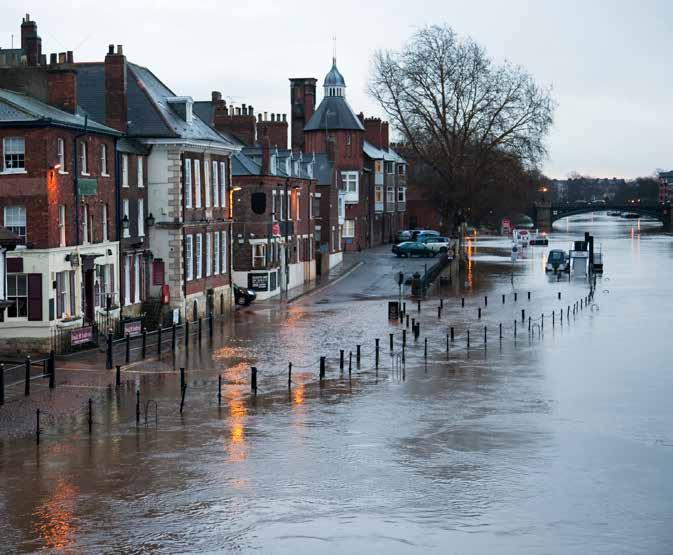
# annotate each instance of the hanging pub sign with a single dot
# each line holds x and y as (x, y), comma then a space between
(393, 310)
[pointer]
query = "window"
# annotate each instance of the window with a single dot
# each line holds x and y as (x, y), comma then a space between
(315, 207)
(216, 185)
(390, 167)
(61, 292)
(125, 212)
(199, 253)
(17, 291)
(60, 153)
(14, 149)
(127, 279)
(401, 194)
(197, 182)
(390, 195)
(103, 160)
(349, 228)
(349, 139)
(206, 180)
(273, 206)
(61, 225)
(189, 257)
(350, 181)
(209, 254)
(84, 158)
(91, 227)
(141, 217)
(259, 255)
(401, 169)
(85, 223)
(288, 209)
(103, 220)
(125, 170)
(378, 166)
(297, 213)
(136, 278)
(310, 206)
(225, 269)
(216, 252)
(139, 172)
(224, 178)
(188, 183)
(378, 194)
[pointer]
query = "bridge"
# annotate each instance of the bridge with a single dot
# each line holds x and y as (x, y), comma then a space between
(544, 214)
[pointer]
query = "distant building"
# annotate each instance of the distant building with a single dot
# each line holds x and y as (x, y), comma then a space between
(666, 187)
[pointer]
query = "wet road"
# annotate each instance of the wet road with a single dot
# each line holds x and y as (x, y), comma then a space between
(556, 443)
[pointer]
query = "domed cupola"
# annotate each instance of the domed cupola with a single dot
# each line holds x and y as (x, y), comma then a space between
(334, 82)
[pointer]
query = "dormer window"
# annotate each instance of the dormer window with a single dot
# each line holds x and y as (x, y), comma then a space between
(182, 106)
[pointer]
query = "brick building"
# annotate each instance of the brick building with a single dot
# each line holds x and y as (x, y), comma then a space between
(57, 194)
(273, 197)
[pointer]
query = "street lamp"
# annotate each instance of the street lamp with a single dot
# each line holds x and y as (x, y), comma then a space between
(150, 220)
(125, 222)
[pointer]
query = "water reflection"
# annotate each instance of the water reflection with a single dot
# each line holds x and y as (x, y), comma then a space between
(236, 447)
(54, 519)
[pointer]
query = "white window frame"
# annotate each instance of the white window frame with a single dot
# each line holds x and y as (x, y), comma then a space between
(283, 206)
(351, 185)
(379, 196)
(140, 177)
(273, 206)
(223, 246)
(125, 170)
(16, 277)
(401, 194)
(104, 217)
(388, 166)
(141, 217)
(390, 194)
(127, 280)
(13, 221)
(206, 179)
(288, 209)
(209, 254)
(224, 184)
(297, 215)
(60, 153)
(216, 252)
(259, 254)
(61, 225)
(84, 158)
(198, 258)
(136, 278)
(103, 160)
(85, 224)
(189, 257)
(125, 212)
(310, 206)
(14, 146)
(197, 183)
(188, 183)
(214, 176)
(349, 229)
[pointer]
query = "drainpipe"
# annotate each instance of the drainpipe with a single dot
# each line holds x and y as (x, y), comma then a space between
(76, 172)
(118, 223)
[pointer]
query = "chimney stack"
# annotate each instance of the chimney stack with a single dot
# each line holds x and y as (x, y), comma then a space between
(62, 89)
(216, 96)
(302, 106)
(31, 43)
(266, 154)
(116, 100)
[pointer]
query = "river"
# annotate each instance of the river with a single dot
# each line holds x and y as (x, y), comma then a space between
(558, 441)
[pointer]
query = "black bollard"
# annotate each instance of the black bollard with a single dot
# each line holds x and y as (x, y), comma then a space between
(108, 356)
(441, 303)
(559, 295)
(253, 380)
(425, 351)
(143, 344)
(553, 319)
(404, 338)
(173, 336)
(561, 316)
(52, 369)
(138, 406)
(289, 375)
(182, 378)
(542, 321)
(500, 330)
(407, 319)
(485, 301)
(186, 333)
(413, 325)
(447, 346)
(90, 415)
(516, 295)
(128, 348)
(341, 360)
(439, 312)
(462, 302)
(452, 334)
(219, 388)
(37, 426)
(159, 340)
(350, 362)
(484, 336)
(404, 334)
(210, 326)
(529, 322)
(26, 390)
(182, 398)
(118, 376)
(357, 355)
(2, 384)
(523, 316)
(404, 308)
(479, 313)
(322, 368)
(200, 329)
(419, 306)
(514, 329)
(468, 339)
(529, 295)
(377, 352)
(503, 299)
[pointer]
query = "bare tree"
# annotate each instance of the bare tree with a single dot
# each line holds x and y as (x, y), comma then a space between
(459, 112)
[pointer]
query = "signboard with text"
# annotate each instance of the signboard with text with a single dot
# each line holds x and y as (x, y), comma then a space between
(133, 328)
(259, 281)
(81, 335)
(393, 310)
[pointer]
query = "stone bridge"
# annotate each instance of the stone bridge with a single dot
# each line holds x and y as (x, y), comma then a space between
(544, 214)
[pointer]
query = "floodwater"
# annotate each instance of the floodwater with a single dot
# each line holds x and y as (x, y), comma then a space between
(556, 441)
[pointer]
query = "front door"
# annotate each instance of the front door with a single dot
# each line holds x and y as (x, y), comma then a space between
(89, 295)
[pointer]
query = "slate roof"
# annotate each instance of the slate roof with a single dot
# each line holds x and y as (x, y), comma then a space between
(379, 154)
(249, 162)
(17, 107)
(204, 109)
(334, 113)
(149, 112)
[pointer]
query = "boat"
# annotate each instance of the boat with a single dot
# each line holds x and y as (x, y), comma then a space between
(630, 216)
(557, 261)
(615, 213)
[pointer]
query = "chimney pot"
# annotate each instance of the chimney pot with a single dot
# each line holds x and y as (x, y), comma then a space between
(251, 110)
(244, 109)
(284, 118)
(69, 57)
(120, 49)
(52, 59)
(259, 118)
(273, 117)
(216, 96)
(238, 111)
(61, 57)
(265, 116)
(111, 49)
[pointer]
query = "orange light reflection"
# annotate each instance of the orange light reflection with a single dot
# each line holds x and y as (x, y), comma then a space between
(55, 517)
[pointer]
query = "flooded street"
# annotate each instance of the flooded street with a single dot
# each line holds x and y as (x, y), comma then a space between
(557, 441)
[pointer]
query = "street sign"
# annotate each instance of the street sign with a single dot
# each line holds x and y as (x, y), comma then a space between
(393, 310)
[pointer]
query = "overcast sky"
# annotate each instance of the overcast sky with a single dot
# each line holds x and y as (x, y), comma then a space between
(608, 61)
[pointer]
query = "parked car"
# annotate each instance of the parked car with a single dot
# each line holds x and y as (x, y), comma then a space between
(402, 236)
(437, 244)
(243, 296)
(557, 261)
(421, 234)
(413, 248)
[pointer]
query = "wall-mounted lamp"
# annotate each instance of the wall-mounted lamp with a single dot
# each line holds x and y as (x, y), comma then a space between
(150, 220)
(125, 222)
